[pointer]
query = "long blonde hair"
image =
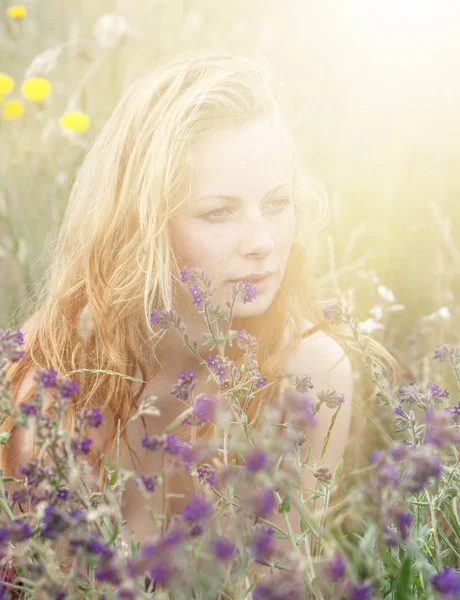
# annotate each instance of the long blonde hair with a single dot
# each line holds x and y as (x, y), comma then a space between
(112, 255)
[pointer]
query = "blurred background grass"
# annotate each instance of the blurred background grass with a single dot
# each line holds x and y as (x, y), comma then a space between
(376, 96)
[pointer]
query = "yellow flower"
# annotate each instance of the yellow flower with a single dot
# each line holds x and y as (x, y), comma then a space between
(75, 121)
(36, 89)
(13, 109)
(6, 83)
(17, 11)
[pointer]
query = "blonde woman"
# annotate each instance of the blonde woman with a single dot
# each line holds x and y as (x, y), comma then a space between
(196, 167)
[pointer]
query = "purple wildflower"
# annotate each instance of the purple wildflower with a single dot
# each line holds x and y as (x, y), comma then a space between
(454, 410)
(92, 417)
(398, 452)
(92, 545)
(28, 408)
(262, 544)
(197, 508)
(439, 431)
(81, 446)
(54, 523)
(333, 313)
(206, 474)
(68, 387)
(109, 573)
(212, 362)
(184, 275)
(261, 382)
(150, 482)
(300, 409)
(62, 493)
(205, 408)
(256, 459)
(195, 292)
(421, 467)
(222, 547)
(126, 594)
(173, 537)
(263, 503)
(446, 352)
(152, 443)
(323, 474)
(447, 582)
(161, 572)
(250, 292)
(172, 444)
(399, 410)
(436, 391)
(186, 384)
(161, 318)
(403, 521)
(18, 530)
(360, 591)
(336, 567)
(196, 530)
(48, 377)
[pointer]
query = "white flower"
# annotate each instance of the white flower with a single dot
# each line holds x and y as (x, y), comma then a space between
(110, 28)
(369, 326)
(444, 313)
(44, 63)
(377, 312)
(385, 293)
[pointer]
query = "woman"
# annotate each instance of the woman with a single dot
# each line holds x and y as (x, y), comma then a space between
(196, 167)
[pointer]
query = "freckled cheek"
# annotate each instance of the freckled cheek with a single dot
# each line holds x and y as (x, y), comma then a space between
(199, 248)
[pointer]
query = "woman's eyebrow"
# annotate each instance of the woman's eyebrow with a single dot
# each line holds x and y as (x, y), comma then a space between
(238, 198)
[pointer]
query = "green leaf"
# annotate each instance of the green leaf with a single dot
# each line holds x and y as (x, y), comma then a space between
(403, 580)
(284, 505)
(303, 525)
(113, 477)
(4, 437)
(114, 535)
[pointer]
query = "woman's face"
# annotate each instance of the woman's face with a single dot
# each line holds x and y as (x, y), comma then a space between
(250, 231)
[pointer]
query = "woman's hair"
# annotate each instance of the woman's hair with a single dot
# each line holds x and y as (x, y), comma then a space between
(112, 256)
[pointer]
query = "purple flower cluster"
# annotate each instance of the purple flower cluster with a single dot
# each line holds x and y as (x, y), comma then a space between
(447, 353)
(81, 446)
(217, 364)
(262, 502)
(91, 417)
(250, 292)
(279, 587)
(300, 408)
(170, 443)
(334, 314)
(436, 391)
(440, 429)
(9, 340)
(197, 509)
(206, 474)
(262, 543)
(222, 548)
(17, 530)
(447, 583)
(205, 408)
(185, 385)
(256, 460)
(149, 481)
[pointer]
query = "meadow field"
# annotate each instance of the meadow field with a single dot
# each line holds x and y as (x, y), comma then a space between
(376, 103)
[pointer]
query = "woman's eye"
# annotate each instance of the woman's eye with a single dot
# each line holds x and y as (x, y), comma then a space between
(217, 213)
(213, 213)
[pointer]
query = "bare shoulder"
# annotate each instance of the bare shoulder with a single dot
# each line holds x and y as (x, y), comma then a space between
(326, 362)
(320, 354)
